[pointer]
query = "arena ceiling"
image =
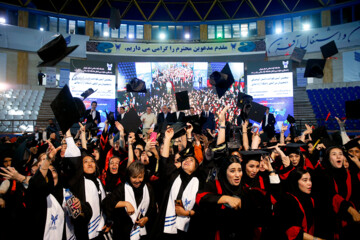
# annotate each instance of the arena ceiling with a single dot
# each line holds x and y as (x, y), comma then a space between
(176, 10)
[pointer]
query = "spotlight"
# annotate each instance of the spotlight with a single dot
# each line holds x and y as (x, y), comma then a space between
(278, 30)
(187, 36)
(306, 26)
(41, 29)
(106, 34)
(219, 35)
(131, 36)
(244, 34)
(2, 20)
(162, 36)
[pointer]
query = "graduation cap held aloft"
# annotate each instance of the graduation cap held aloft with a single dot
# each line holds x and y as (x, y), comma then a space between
(182, 100)
(244, 103)
(329, 49)
(314, 68)
(67, 109)
(296, 148)
(252, 155)
(131, 122)
(222, 80)
(115, 18)
(54, 51)
(352, 144)
(87, 93)
(257, 112)
(136, 85)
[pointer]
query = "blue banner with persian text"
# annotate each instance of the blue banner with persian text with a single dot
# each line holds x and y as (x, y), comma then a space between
(345, 35)
(185, 49)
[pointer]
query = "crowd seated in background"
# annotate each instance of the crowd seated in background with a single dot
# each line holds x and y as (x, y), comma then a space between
(187, 182)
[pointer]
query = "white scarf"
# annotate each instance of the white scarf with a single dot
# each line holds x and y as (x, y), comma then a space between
(97, 221)
(142, 208)
(54, 219)
(173, 222)
(69, 227)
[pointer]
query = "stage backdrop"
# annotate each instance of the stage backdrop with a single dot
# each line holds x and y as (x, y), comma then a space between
(163, 79)
(100, 76)
(271, 84)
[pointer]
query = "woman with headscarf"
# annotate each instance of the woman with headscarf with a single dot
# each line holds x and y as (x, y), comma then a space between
(131, 205)
(297, 208)
(220, 204)
(338, 192)
(180, 189)
(113, 176)
(262, 191)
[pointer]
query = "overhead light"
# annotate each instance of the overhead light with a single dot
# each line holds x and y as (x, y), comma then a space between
(187, 36)
(219, 35)
(106, 34)
(41, 29)
(162, 36)
(278, 30)
(244, 34)
(131, 35)
(2, 20)
(306, 26)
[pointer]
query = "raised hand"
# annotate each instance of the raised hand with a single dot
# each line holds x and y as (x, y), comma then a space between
(169, 133)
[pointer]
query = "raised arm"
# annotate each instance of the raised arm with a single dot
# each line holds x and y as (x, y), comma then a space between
(345, 138)
(83, 136)
(245, 135)
(222, 121)
(282, 133)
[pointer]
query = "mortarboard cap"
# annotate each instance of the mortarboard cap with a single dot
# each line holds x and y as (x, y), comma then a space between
(182, 100)
(110, 117)
(187, 152)
(115, 18)
(67, 110)
(54, 51)
(223, 80)
(290, 119)
(87, 93)
(329, 49)
(294, 148)
(252, 155)
(319, 133)
(136, 85)
(314, 68)
(352, 143)
(257, 112)
(352, 109)
(298, 54)
(243, 99)
(131, 121)
(179, 128)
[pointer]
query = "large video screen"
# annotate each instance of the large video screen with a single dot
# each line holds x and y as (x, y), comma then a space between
(101, 77)
(163, 79)
(271, 84)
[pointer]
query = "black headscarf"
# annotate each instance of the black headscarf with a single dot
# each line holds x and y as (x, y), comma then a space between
(228, 189)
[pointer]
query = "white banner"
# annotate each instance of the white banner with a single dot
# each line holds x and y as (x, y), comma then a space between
(27, 39)
(50, 77)
(344, 35)
(351, 66)
(64, 77)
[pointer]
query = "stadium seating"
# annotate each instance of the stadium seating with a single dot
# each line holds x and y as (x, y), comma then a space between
(20, 109)
(333, 100)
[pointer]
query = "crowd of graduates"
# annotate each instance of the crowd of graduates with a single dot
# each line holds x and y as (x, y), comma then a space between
(180, 183)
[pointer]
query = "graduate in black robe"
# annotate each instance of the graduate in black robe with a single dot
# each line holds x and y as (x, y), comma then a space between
(169, 174)
(117, 208)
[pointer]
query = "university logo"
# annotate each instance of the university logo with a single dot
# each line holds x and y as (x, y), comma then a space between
(109, 66)
(53, 221)
(187, 202)
(285, 64)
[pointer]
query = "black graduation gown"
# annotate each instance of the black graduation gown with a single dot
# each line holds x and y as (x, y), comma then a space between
(336, 190)
(81, 222)
(218, 221)
(122, 223)
(296, 215)
(36, 195)
(167, 174)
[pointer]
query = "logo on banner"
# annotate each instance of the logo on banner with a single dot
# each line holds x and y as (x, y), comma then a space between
(109, 66)
(285, 64)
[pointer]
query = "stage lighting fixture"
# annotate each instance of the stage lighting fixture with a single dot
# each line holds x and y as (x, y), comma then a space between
(187, 36)
(162, 36)
(2, 20)
(41, 29)
(244, 34)
(306, 26)
(106, 34)
(278, 30)
(131, 36)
